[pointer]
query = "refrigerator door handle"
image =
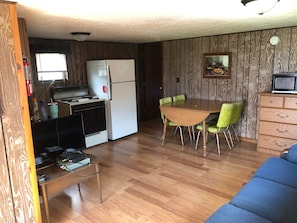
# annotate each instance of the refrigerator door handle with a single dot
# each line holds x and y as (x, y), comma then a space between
(109, 83)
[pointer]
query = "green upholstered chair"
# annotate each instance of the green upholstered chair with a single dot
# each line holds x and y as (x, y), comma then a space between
(162, 101)
(238, 106)
(168, 100)
(182, 97)
(199, 127)
(220, 126)
(223, 124)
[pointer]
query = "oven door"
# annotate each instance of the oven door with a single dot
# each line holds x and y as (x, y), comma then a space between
(93, 116)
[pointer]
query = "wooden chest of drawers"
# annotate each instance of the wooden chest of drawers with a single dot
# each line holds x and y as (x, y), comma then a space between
(277, 128)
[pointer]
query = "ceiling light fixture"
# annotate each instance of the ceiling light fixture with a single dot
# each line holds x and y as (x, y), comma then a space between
(260, 6)
(80, 36)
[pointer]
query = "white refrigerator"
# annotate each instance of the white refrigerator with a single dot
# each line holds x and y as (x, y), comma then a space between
(114, 81)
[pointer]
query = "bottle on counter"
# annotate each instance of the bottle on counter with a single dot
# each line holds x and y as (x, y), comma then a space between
(52, 109)
(43, 113)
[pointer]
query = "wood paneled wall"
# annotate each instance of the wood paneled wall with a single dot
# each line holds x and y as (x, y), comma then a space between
(254, 61)
(18, 175)
(77, 55)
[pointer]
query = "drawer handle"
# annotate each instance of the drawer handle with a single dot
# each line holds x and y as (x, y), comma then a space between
(281, 131)
(279, 145)
(283, 116)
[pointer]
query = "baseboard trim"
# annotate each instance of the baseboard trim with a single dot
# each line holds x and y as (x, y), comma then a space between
(250, 140)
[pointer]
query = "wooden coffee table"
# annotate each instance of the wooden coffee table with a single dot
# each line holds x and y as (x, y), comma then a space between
(58, 180)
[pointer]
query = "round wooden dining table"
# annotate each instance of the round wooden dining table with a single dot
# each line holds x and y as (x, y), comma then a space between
(189, 112)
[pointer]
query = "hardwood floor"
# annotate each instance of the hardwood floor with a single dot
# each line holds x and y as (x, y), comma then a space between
(145, 182)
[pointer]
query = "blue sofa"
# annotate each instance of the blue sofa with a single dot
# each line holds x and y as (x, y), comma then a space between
(270, 195)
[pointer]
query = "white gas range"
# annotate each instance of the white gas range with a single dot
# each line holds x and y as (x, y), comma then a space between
(74, 100)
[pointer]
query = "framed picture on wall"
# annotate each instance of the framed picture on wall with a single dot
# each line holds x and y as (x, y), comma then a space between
(217, 65)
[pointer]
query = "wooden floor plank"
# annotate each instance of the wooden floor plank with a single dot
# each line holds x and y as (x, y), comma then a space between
(145, 182)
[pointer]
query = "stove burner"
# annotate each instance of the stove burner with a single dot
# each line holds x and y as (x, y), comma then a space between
(87, 96)
(78, 99)
(82, 99)
(67, 99)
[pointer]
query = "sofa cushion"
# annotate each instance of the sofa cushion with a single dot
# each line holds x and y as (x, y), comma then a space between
(268, 199)
(292, 154)
(284, 155)
(228, 213)
(278, 170)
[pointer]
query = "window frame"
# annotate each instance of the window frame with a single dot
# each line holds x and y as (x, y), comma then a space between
(63, 73)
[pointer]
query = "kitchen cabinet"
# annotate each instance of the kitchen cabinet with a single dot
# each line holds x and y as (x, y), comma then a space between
(277, 128)
(18, 173)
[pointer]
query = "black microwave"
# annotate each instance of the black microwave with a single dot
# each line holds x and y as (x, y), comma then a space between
(284, 83)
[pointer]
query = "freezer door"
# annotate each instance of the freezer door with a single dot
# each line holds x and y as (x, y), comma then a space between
(122, 111)
(121, 70)
(98, 79)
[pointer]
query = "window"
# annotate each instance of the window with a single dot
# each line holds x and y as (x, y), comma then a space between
(51, 66)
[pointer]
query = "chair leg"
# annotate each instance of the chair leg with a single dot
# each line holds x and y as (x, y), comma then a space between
(197, 139)
(190, 133)
(193, 132)
(218, 143)
(235, 134)
(175, 130)
(227, 139)
(230, 137)
(181, 135)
